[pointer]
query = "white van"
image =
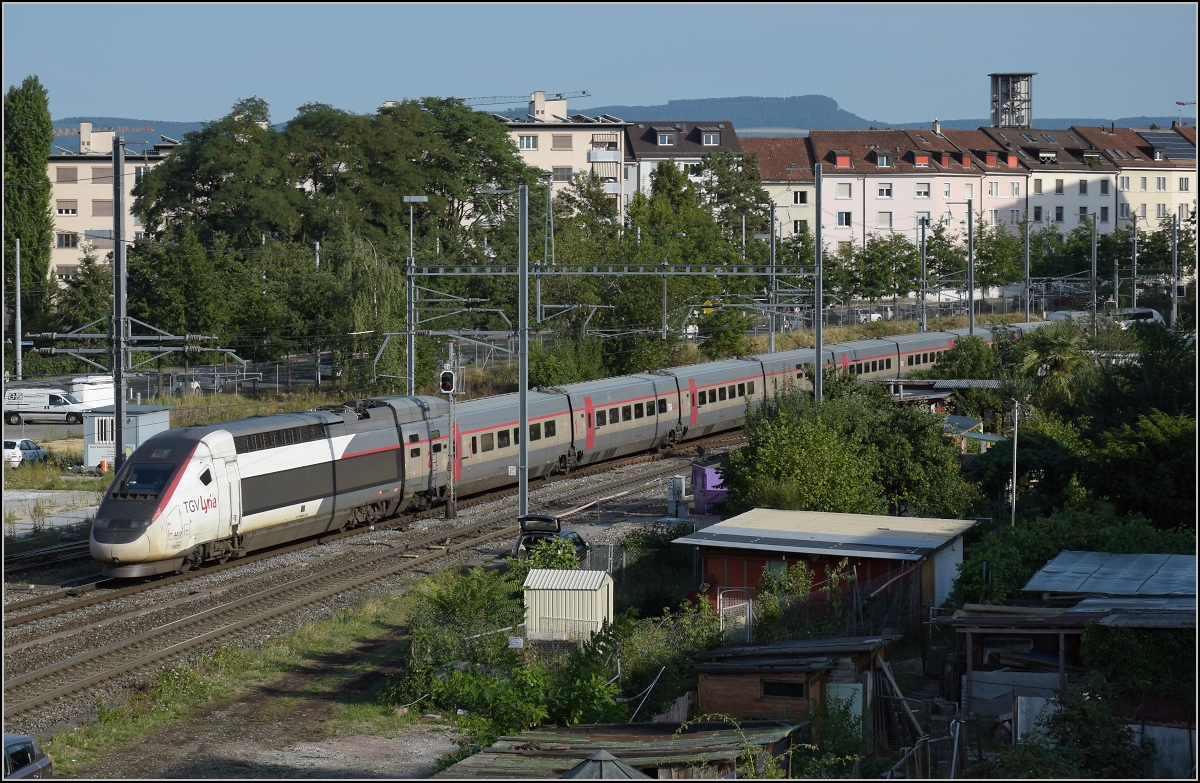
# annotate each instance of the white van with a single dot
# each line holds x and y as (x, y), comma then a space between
(42, 405)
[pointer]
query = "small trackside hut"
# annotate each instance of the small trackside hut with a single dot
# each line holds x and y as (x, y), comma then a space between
(563, 604)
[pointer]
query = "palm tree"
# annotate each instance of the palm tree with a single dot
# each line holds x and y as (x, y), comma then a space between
(1055, 353)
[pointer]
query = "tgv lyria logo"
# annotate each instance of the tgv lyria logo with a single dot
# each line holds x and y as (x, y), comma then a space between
(203, 504)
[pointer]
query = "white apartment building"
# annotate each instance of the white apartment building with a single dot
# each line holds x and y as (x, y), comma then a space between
(1156, 172)
(682, 141)
(81, 197)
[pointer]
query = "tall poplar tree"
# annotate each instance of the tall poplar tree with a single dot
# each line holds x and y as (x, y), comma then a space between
(28, 134)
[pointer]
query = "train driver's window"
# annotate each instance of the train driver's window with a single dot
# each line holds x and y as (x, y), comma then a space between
(601, 419)
(551, 429)
(637, 410)
(750, 387)
(721, 393)
(413, 438)
(502, 439)
(626, 412)
(486, 442)
(741, 390)
(414, 452)
(613, 418)
(662, 405)
(535, 432)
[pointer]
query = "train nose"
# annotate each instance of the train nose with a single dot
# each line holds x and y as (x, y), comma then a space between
(127, 548)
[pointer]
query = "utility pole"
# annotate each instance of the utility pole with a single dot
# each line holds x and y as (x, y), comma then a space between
(773, 292)
(411, 346)
(1133, 302)
(921, 303)
(664, 300)
(1016, 415)
(1174, 272)
(120, 323)
(1095, 315)
(970, 267)
(1026, 297)
(523, 326)
(819, 314)
(452, 456)
(18, 312)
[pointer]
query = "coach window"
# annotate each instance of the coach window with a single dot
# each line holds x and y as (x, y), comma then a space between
(474, 445)
(613, 418)
(732, 391)
(703, 397)
(750, 387)
(414, 452)
(874, 366)
(436, 448)
(626, 412)
(601, 419)
(502, 439)
(721, 393)
(637, 410)
(551, 429)
(487, 442)
(535, 432)
(924, 358)
(889, 364)
(662, 405)
(741, 390)
(516, 436)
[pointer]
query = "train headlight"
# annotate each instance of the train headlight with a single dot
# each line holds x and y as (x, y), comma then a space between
(114, 523)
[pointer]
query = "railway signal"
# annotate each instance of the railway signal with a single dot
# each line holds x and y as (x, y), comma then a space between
(447, 382)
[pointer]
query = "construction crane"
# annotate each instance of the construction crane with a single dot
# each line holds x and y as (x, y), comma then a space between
(1181, 104)
(493, 100)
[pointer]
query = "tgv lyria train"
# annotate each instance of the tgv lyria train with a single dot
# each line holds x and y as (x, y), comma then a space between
(197, 494)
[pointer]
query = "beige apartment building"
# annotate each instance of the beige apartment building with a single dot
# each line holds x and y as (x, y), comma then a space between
(563, 145)
(81, 197)
(788, 177)
(1156, 172)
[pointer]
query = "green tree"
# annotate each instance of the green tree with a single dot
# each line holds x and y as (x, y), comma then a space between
(557, 553)
(732, 187)
(28, 134)
(1053, 356)
(723, 332)
(88, 295)
(945, 255)
(999, 256)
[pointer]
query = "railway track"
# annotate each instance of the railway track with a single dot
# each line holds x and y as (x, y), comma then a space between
(46, 556)
(76, 673)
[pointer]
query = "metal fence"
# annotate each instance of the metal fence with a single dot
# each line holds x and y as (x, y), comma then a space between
(646, 579)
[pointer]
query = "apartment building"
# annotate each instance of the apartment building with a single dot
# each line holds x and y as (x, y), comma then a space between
(1069, 180)
(787, 175)
(81, 197)
(997, 182)
(683, 141)
(563, 145)
(1156, 172)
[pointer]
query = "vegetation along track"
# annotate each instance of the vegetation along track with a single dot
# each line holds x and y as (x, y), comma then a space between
(203, 626)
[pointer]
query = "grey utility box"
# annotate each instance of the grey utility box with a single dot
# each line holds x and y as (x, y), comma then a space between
(142, 422)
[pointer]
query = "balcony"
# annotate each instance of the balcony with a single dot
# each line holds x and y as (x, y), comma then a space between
(612, 188)
(604, 156)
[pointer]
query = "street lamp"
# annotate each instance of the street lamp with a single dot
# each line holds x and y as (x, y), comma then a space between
(523, 339)
(412, 298)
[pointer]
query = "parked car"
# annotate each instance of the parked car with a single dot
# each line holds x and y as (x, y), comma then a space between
(23, 758)
(539, 527)
(860, 316)
(25, 450)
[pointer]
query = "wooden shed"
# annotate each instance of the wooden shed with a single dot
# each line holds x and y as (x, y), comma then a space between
(566, 604)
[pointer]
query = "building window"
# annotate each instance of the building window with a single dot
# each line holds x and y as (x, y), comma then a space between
(1160, 184)
(629, 172)
(946, 190)
(666, 139)
(139, 174)
(1016, 189)
(1058, 214)
(102, 175)
(1161, 211)
(102, 208)
(1083, 187)
(969, 190)
(1058, 187)
(799, 226)
(1183, 184)
(1103, 187)
(137, 235)
(66, 175)
(1083, 215)
(1014, 217)
(947, 218)
(561, 142)
(885, 190)
(527, 142)
(782, 690)
(800, 197)
(1037, 214)
(712, 139)
(843, 220)
(1103, 214)
(562, 173)
(65, 273)
(993, 189)
(1142, 211)
(922, 190)
(922, 218)
(1123, 211)
(994, 217)
(66, 207)
(843, 190)
(883, 220)
(883, 159)
(68, 240)
(1037, 187)
(1143, 184)
(1123, 184)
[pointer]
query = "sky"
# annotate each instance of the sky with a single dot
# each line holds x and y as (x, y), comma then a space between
(892, 62)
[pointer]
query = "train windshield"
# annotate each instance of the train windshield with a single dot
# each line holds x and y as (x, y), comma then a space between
(146, 478)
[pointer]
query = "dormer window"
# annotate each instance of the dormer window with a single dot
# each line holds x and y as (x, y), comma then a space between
(966, 161)
(1011, 161)
(1158, 155)
(920, 159)
(945, 158)
(666, 139)
(711, 139)
(1047, 156)
(990, 157)
(883, 159)
(841, 159)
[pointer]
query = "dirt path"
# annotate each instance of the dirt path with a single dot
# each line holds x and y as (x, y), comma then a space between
(278, 730)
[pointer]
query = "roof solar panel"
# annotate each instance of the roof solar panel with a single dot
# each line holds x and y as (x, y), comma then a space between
(1174, 145)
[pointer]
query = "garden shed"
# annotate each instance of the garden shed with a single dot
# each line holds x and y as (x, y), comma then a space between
(566, 604)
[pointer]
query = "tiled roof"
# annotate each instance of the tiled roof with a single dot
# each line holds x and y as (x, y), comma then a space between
(689, 139)
(977, 144)
(864, 147)
(1188, 132)
(782, 159)
(1067, 148)
(1115, 142)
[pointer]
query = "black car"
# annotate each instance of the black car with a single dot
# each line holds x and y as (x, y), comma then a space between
(537, 527)
(23, 758)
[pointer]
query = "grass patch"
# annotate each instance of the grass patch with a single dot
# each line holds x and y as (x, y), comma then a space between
(176, 692)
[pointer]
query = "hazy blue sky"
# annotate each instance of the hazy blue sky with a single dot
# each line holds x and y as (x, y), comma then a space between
(891, 62)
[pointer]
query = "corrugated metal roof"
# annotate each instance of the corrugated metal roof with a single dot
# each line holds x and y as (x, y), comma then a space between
(863, 535)
(564, 579)
(1103, 573)
(966, 384)
(795, 647)
(957, 425)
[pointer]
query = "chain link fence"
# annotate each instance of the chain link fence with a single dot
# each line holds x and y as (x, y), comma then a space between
(647, 579)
